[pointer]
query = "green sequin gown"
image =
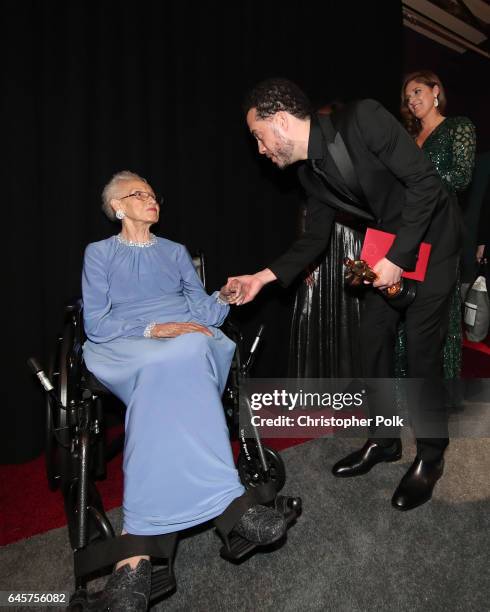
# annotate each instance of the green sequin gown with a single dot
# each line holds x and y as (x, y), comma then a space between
(451, 148)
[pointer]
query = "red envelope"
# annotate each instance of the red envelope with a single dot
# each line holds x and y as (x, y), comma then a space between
(378, 243)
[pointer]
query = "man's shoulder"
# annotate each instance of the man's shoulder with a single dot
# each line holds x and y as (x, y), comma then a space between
(359, 105)
(357, 112)
(367, 107)
(371, 118)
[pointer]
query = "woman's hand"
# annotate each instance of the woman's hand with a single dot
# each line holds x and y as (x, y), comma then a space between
(172, 330)
(231, 293)
(310, 277)
(480, 253)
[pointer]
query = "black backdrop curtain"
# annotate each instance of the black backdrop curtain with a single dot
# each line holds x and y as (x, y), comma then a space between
(155, 87)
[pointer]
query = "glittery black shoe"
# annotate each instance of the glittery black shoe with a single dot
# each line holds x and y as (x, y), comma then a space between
(261, 525)
(127, 590)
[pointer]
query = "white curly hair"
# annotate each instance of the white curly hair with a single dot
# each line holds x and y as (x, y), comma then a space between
(109, 191)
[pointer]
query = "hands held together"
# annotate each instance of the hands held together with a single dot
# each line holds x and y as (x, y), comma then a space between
(242, 289)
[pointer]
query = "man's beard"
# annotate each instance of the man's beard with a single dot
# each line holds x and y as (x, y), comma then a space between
(283, 151)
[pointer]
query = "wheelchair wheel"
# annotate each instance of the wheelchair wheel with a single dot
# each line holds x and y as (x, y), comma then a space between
(51, 448)
(64, 372)
(251, 472)
(57, 446)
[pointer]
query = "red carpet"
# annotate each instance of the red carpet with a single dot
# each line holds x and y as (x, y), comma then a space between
(476, 359)
(28, 507)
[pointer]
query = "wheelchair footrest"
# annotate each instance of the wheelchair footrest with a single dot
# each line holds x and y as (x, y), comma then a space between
(162, 581)
(238, 549)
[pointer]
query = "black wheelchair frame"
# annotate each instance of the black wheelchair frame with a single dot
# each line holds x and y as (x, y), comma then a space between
(77, 455)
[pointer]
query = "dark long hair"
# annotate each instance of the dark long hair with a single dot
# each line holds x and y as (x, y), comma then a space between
(429, 78)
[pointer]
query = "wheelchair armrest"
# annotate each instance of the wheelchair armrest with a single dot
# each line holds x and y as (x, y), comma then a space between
(233, 332)
(92, 383)
(75, 304)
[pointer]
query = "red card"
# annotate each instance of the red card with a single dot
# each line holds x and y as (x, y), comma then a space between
(378, 243)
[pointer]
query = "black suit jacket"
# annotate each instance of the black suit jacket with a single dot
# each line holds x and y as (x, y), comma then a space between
(401, 190)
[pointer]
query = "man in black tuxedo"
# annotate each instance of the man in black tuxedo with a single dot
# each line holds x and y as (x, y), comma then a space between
(362, 162)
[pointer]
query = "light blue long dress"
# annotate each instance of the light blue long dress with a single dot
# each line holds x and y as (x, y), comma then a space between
(178, 463)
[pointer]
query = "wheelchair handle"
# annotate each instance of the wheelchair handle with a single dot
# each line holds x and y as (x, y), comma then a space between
(36, 368)
(251, 356)
(258, 338)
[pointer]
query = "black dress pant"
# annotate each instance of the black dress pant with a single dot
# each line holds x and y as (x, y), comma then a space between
(426, 327)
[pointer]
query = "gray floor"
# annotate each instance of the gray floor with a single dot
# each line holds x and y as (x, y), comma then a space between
(350, 551)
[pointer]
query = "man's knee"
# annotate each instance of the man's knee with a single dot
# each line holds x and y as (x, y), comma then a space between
(426, 333)
(378, 332)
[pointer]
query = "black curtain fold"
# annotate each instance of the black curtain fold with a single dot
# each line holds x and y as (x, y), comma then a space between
(91, 88)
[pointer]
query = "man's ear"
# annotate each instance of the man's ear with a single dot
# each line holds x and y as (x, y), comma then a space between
(282, 120)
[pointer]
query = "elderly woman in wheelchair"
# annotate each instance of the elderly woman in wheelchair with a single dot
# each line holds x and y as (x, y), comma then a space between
(153, 341)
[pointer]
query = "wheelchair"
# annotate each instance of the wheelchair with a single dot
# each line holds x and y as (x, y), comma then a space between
(77, 456)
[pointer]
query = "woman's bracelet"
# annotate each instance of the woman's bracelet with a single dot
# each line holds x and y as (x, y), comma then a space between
(220, 300)
(148, 330)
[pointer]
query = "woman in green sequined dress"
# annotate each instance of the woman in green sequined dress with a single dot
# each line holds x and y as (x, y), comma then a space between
(449, 142)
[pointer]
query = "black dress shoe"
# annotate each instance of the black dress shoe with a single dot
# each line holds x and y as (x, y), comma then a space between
(261, 525)
(127, 590)
(416, 486)
(361, 461)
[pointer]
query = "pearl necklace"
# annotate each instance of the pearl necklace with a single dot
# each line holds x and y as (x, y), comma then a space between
(133, 243)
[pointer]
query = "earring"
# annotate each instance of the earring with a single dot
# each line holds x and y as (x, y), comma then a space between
(436, 101)
(120, 214)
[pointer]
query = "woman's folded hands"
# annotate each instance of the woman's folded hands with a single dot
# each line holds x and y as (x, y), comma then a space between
(172, 330)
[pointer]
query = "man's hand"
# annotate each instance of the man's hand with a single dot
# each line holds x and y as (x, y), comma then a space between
(480, 253)
(251, 284)
(172, 330)
(388, 274)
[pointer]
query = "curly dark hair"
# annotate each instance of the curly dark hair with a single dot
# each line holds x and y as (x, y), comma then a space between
(429, 78)
(274, 95)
